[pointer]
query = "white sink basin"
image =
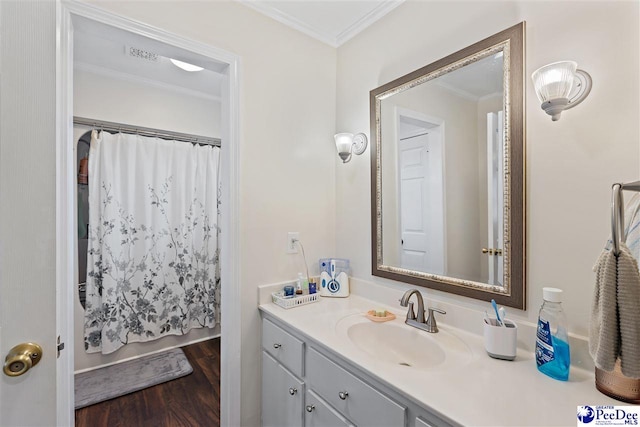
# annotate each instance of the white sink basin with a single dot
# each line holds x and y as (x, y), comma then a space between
(398, 344)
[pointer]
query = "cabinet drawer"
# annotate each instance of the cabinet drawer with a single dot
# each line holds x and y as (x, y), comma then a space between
(319, 414)
(350, 396)
(282, 395)
(422, 423)
(287, 349)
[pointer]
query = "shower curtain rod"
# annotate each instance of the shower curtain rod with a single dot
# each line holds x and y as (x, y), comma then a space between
(139, 130)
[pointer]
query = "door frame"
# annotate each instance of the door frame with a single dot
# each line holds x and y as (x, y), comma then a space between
(66, 259)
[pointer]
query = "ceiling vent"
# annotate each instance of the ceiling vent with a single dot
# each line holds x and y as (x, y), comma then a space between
(136, 52)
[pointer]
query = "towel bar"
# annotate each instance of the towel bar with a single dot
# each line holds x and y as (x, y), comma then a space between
(617, 211)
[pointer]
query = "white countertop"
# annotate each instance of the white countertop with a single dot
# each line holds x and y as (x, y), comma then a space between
(478, 391)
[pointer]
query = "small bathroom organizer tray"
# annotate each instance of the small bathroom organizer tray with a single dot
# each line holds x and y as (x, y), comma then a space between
(294, 301)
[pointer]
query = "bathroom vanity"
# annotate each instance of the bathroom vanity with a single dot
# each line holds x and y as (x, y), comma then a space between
(326, 364)
(305, 384)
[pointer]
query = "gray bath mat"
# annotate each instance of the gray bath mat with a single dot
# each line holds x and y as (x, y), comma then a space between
(124, 378)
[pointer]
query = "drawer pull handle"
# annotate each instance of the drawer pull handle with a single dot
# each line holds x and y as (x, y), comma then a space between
(343, 395)
(310, 408)
(293, 391)
(277, 346)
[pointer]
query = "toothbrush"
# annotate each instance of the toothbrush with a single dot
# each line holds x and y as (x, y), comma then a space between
(503, 316)
(495, 308)
(487, 320)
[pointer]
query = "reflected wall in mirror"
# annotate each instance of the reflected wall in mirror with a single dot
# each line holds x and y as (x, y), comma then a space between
(448, 173)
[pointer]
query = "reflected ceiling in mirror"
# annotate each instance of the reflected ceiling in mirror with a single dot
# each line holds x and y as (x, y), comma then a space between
(447, 173)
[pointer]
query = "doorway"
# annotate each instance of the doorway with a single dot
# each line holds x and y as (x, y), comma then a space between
(76, 17)
(421, 204)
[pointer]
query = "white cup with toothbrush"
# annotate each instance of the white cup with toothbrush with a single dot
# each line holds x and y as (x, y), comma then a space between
(500, 335)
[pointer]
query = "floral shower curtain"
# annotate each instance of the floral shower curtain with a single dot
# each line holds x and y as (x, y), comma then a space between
(153, 256)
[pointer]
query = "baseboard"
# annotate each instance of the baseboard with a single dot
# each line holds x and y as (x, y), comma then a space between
(195, 341)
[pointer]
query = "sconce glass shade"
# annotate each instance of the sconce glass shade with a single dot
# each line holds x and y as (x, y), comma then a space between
(556, 82)
(344, 142)
(347, 143)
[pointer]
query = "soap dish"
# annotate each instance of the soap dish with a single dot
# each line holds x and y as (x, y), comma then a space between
(371, 315)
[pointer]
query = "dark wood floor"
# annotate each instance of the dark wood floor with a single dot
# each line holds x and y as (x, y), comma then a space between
(193, 400)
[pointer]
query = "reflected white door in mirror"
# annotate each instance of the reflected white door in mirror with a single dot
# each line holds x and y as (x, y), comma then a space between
(419, 140)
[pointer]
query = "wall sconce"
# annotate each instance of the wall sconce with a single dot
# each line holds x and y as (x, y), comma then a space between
(554, 83)
(347, 143)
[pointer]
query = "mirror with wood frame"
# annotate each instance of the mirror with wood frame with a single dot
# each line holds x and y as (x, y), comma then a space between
(447, 173)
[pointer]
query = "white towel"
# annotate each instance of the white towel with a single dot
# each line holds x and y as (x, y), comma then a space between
(614, 331)
(604, 333)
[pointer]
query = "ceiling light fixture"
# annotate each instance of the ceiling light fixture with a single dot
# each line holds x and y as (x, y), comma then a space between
(185, 65)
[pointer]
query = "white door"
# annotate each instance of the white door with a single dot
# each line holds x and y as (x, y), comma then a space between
(421, 199)
(28, 206)
(495, 196)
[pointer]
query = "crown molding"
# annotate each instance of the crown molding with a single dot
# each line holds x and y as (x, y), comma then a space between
(120, 75)
(329, 38)
(361, 24)
(460, 92)
(491, 95)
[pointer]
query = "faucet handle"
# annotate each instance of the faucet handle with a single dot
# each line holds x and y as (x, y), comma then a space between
(437, 310)
(432, 325)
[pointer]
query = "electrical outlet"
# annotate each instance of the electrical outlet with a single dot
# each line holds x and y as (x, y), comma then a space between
(292, 244)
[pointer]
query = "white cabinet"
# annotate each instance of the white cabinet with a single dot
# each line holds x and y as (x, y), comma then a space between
(307, 384)
(284, 347)
(282, 395)
(352, 397)
(318, 413)
(422, 423)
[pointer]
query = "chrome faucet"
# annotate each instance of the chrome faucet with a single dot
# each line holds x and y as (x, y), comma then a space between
(418, 321)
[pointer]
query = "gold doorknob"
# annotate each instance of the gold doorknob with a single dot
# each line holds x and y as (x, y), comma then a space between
(21, 358)
(487, 251)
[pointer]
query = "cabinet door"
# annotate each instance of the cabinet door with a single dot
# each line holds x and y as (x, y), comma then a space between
(318, 413)
(282, 395)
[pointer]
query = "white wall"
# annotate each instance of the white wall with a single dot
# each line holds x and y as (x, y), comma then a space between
(571, 163)
(286, 154)
(98, 96)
